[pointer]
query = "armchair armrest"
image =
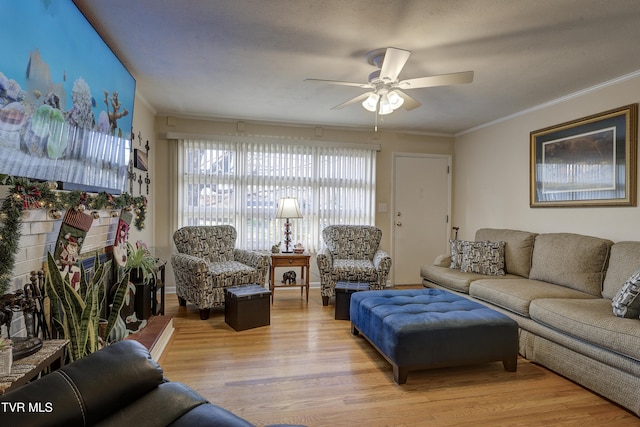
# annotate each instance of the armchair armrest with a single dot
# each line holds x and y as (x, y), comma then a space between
(442, 261)
(324, 260)
(258, 260)
(382, 260)
(382, 263)
(189, 262)
(190, 270)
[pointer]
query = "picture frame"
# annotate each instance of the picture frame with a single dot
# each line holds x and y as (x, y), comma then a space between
(140, 160)
(589, 161)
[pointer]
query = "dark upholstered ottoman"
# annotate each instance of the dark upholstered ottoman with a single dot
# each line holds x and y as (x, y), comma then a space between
(429, 328)
(344, 290)
(247, 307)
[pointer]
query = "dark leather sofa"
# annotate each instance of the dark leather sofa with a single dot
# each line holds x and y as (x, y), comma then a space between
(120, 385)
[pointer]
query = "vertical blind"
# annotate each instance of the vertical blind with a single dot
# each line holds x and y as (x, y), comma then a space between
(240, 183)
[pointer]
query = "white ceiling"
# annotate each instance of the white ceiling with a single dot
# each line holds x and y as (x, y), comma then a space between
(247, 59)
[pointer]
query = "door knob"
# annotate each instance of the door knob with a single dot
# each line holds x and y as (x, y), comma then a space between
(399, 224)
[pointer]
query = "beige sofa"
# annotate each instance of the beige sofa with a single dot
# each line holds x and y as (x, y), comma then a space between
(559, 288)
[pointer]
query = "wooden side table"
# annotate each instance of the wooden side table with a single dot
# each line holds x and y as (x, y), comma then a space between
(49, 358)
(290, 260)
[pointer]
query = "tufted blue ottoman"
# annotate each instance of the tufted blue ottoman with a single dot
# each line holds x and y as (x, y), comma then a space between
(429, 328)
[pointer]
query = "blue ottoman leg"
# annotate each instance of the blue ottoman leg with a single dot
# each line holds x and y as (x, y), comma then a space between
(400, 374)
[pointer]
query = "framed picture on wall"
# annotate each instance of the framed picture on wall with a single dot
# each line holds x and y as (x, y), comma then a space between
(586, 162)
(140, 160)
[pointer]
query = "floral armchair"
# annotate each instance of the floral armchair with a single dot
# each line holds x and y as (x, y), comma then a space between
(351, 253)
(207, 262)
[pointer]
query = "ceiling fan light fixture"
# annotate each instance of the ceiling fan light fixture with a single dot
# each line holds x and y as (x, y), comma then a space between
(371, 102)
(385, 105)
(395, 100)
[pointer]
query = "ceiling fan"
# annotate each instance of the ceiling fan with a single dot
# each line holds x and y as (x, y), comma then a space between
(386, 91)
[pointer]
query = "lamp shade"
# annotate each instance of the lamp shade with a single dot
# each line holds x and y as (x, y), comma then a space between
(288, 208)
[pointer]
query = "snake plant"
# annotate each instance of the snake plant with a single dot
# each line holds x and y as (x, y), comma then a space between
(76, 313)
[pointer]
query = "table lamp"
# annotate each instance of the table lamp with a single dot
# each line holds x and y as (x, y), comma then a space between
(288, 208)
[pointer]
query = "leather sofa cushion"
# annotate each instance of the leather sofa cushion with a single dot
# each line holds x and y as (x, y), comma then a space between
(160, 407)
(516, 295)
(590, 320)
(81, 394)
(210, 416)
(518, 248)
(623, 262)
(572, 260)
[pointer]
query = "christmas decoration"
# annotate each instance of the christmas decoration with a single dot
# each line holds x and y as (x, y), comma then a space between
(25, 195)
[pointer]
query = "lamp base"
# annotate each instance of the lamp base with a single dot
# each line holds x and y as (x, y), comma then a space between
(287, 252)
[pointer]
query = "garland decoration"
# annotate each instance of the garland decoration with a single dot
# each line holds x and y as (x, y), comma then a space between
(30, 195)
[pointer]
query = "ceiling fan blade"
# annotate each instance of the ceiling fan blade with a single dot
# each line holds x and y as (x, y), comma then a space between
(355, 100)
(409, 103)
(394, 60)
(439, 80)
(337, 82)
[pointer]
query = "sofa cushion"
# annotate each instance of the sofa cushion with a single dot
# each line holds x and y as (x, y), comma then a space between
(590, 320)
(623, 262)
(167, 402)
(211, 416)
(483, 257)
(518, 248)
(449, 278)
(516, 295)
(626, 303)
(572, 260)
(131, 374)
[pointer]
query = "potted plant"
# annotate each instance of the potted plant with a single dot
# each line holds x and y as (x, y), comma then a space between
(141, 265)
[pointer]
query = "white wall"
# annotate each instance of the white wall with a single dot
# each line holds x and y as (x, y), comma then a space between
(491, 173)
(143, 122)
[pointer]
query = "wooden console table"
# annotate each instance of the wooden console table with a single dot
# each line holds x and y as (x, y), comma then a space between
(49, 358)
(290, 260)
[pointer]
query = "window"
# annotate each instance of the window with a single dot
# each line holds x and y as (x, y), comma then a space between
(240, 183)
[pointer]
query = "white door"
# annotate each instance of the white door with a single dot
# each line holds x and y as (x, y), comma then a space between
(421, 213)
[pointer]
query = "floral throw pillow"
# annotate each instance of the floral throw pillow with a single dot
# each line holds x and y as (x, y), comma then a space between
(626, 303)
(456, 253)
(483, 258)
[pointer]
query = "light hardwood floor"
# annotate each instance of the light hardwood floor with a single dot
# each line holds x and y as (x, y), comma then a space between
(307, 368)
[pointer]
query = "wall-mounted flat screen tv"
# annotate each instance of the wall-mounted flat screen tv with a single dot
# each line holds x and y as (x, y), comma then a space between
(66, 101)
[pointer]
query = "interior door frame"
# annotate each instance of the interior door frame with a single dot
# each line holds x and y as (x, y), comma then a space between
(392, 224)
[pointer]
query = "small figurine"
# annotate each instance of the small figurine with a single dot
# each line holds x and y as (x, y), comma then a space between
(289, 277)
(275, 249)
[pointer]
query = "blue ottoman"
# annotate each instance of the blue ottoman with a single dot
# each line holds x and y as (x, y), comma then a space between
(430, 328)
